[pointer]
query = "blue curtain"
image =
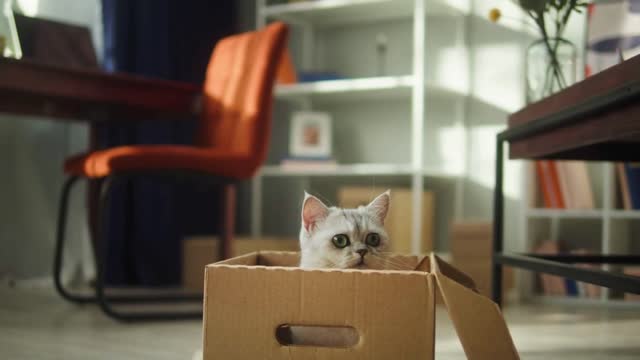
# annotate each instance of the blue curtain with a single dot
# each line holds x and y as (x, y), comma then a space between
(149, 217)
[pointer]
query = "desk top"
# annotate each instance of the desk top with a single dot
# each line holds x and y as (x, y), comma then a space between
(31, 88)
(595, 119)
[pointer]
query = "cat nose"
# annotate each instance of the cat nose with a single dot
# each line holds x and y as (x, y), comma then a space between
(362, 252)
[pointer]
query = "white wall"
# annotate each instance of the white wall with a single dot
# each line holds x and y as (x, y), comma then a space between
(32, 151)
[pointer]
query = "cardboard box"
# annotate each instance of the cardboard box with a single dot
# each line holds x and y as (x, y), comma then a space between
(472, 252)
(248, 298)
(198, 252)
(471, 240)
(480, 272)
(633, 271)
(398, 222)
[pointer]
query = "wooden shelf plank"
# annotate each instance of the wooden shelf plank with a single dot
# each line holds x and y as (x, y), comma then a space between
(351, 170)
(338, 12)
(385, 87)
(565, 213)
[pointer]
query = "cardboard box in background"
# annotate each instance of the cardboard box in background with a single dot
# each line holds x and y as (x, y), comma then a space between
(633, 271)
(480, 272)
(471, 252)
(393, 312)
(398, 222)
(198, 252)
(471, 240)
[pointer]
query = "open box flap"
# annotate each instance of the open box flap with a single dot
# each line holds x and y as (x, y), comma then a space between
(279, 258)
(477, 320)
(440, 266)
(247, 259)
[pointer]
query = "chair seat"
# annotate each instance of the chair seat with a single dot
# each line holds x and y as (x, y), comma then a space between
(110, 161)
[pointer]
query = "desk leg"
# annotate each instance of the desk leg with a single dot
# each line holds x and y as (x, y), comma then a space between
(498, 203)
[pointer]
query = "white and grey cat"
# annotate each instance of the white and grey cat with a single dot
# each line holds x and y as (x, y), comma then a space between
(332, 237)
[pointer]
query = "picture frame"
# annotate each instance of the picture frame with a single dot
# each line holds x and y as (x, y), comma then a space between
(310, 135)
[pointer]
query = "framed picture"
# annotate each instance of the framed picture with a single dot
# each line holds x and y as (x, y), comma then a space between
(310, 135)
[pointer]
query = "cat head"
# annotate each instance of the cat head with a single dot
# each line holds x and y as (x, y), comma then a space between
(332, 237)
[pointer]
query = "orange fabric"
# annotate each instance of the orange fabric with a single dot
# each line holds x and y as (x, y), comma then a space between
(235, 124)
(286, 70)
(159, 157)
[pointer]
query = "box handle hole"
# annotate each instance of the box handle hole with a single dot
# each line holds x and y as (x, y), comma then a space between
(317, 336)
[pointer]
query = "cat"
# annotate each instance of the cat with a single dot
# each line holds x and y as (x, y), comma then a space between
(332, 237)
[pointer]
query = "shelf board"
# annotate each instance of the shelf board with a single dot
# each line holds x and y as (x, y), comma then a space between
(582, 301)
(625, 214)
(339, 12)
(384, 87)
(583, 214)
(351, 170)
(565, 213)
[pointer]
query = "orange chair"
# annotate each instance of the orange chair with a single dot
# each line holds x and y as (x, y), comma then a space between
(231, 144)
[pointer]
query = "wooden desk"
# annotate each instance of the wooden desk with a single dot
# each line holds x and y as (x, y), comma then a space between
(30, 88)
(595, 119)
(67, 94)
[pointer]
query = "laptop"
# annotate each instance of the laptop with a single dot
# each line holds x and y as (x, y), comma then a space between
(55, 43)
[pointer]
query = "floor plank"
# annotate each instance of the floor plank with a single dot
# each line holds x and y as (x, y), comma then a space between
(37, 324)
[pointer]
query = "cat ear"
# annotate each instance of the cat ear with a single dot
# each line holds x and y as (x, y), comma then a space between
(380, 206)
(313, 210)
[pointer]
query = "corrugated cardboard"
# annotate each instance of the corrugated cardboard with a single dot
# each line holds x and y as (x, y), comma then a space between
(249, 297)
(471, 240)
(471, 252)
(198, 252)
(398, 222)
(480, 272)
(634, 271)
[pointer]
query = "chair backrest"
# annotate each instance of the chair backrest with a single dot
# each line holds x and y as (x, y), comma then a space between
(238, 92)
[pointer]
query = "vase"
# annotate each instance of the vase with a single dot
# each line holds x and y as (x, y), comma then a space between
(9, 44)
(550, 67)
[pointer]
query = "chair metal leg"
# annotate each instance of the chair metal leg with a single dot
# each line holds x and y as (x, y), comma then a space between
(59, 246)
(104, 301)
(228, 216)
(498, 230)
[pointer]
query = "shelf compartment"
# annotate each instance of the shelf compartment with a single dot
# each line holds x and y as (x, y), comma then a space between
(340, 12)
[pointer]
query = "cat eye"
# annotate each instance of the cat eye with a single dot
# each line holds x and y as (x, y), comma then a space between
(372, 239)
(341, 241)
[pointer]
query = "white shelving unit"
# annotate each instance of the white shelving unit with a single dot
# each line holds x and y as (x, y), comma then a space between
(311, 16)
(614, 222)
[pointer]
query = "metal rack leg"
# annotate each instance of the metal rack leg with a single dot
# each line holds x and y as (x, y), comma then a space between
(498, 203)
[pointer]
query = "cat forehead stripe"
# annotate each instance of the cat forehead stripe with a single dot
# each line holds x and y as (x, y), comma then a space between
(358, 217)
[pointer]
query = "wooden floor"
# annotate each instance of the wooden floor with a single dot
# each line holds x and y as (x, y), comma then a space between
(36, 324)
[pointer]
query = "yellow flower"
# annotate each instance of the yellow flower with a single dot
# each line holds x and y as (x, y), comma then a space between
(494, 15)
